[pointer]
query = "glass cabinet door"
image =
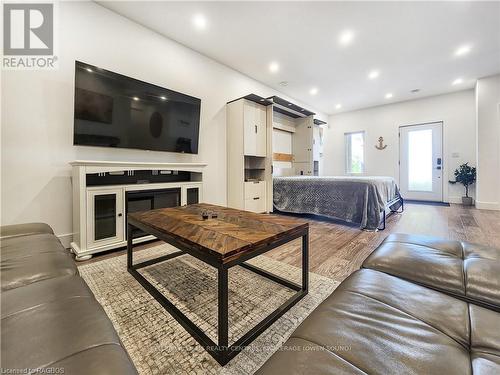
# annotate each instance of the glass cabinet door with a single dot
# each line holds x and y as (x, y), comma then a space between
(193, 195)
(105, 217)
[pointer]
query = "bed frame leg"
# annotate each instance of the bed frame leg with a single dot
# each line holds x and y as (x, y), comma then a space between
(383, 221)
(392, 211)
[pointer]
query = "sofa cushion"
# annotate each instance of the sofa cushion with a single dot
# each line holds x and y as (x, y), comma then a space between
(27, 259)
(299, 356)
(466, 270)
(380, 324)
(58, 323)
(16, 230)
(485, 338)
(45, 291)
(106, 359)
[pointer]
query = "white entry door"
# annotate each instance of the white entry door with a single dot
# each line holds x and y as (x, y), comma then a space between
(421, 161)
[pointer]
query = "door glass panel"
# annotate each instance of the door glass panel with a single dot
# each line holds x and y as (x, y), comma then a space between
(104, 216)
(420, 160)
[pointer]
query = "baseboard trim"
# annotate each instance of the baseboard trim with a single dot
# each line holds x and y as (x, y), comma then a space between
(488, 205)
(430, 203)
(455, 200)
(65, 239)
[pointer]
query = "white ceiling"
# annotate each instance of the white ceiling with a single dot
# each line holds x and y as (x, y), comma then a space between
(412, 44)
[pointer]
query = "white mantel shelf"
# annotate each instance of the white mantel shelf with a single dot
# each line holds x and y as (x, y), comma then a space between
(132, 163)
(96, 166)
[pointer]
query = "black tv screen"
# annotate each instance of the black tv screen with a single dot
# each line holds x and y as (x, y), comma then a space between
(112, 110)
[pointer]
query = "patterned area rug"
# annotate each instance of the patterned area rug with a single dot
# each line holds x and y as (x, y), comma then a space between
(157, 344)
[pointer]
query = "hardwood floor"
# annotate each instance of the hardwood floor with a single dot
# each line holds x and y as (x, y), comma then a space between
(337, 250)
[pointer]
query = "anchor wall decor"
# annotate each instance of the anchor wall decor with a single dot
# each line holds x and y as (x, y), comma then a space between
(380, 145)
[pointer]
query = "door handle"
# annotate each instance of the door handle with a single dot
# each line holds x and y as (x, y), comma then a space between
(438, 167)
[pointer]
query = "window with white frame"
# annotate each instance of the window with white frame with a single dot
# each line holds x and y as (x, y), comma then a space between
(355, 152)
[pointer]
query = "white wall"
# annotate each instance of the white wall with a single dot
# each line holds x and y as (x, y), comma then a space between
(37, 116)
(488, 142)
(456, 110)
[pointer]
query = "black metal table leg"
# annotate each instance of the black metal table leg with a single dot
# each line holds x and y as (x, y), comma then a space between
(305, 262)
(223, 326)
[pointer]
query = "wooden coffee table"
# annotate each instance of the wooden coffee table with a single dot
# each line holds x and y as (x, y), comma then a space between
(226, 241)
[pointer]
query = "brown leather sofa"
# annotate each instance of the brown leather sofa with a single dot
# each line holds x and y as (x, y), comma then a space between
(50, 320)
(419, 305)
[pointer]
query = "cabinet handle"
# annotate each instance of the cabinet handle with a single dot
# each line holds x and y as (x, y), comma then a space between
(256, 198)
(255, 129)
(120, 214)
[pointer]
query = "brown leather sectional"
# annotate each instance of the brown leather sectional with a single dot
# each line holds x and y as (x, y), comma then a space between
(50, 319)
(419, 305)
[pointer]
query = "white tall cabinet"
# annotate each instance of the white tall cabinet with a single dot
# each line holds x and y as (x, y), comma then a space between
(255, 129)
(248, 158)
(302, 146)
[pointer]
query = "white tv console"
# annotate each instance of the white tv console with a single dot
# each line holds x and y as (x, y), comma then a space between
(99, 208)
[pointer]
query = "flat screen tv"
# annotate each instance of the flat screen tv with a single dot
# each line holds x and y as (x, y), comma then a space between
(112, 110)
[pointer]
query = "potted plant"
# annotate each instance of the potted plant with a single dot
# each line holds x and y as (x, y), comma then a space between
(466, 175)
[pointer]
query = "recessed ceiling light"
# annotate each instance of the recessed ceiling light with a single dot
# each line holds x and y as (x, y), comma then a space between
(462, 50)
(274, 67)
(346, 37)
(458, 81)
(373, 74)
(135, 98)
(313, 91)
(338, 106)
(199, 21)
(89, 70)
(388, 95)
(163, 97)
(289, 104)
